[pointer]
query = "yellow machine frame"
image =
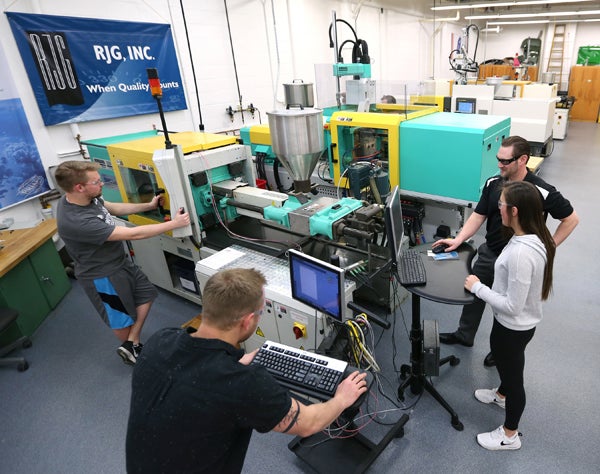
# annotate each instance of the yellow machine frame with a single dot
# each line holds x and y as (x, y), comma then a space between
(383, 121)
(438, 100)
(260, 134)
(433, 101)
(137, 155)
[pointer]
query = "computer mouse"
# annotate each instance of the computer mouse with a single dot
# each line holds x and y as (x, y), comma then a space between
(439, 248)
(350, 413)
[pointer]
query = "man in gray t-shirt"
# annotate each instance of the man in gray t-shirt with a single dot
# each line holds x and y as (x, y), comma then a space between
(118, 289)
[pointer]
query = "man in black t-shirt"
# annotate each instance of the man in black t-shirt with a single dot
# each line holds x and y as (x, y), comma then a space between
(196, 400)
(512, 161)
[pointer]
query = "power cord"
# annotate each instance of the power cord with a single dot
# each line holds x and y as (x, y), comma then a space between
(360, 353)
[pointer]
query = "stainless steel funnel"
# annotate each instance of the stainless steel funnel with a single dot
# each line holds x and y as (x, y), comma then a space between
(297, 140)
(496, 82)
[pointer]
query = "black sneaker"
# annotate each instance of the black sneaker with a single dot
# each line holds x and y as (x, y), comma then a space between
(137, 349)
(489, 360)
(127, 352)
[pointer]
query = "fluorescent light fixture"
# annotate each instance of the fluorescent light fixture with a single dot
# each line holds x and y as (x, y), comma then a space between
(529, 15)
(506, 4)
(532, 22)
(493, 29)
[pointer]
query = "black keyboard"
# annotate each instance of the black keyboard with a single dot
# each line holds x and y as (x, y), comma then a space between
(411, 270)
(310, 374)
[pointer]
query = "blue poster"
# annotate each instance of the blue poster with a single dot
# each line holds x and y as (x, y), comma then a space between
(84, 69)
(22, 175)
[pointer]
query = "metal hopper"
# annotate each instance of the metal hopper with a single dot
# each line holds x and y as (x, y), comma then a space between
(297, 140)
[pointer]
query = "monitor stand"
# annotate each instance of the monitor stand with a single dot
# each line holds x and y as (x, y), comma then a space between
(348, 453)
(351, 451)
(413, 375)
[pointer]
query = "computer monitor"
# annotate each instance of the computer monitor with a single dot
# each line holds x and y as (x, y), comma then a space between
(394, 225)
(317, 284)
(465, 105)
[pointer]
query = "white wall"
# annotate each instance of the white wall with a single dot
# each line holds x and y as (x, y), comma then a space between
(275, 42)
(508, 42)
(587, 34)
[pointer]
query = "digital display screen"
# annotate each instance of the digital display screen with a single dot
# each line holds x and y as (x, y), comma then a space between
(394, 224)
(317, 284)
(465, 106)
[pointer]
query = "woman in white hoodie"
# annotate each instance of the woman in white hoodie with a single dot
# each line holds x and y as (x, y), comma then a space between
(522, 280)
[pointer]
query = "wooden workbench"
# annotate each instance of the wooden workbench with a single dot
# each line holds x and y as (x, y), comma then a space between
(32, 277)
(19, 244)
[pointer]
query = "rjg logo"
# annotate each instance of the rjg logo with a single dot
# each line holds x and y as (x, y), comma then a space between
(55, 67)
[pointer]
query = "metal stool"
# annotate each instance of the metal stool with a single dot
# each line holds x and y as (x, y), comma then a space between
(7, 317)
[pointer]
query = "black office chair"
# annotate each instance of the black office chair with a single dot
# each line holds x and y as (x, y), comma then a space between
(8, 316)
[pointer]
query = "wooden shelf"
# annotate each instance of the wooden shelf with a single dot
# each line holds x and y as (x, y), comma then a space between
(501, 70)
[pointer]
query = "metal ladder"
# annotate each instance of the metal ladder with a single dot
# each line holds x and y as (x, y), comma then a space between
(557, 53)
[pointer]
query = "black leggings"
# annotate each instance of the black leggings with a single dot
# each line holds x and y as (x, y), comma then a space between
(508, 348)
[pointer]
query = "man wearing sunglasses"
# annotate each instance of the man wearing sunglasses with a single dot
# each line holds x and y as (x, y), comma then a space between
(117, 288)
(512, 163)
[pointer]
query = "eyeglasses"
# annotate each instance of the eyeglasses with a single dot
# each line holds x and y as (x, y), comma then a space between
(502, 203)
(98, 182)
(507, 162)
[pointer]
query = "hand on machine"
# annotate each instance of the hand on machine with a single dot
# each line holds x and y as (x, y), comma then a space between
(182, 218)
(160, 200)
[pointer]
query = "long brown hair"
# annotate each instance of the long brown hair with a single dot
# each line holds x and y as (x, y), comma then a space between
(528, 200)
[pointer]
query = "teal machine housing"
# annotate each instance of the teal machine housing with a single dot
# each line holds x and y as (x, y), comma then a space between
(449, 154)
(255, 148)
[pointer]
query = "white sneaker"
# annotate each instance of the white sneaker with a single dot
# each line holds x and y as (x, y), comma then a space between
(490, 396)
(497, 440)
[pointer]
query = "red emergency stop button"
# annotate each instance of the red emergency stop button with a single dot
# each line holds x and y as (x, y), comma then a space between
(299, 330)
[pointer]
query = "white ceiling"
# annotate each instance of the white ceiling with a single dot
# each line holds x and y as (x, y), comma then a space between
(424, 7)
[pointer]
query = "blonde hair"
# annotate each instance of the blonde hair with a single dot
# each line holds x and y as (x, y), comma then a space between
(231, 294)
(71, 173)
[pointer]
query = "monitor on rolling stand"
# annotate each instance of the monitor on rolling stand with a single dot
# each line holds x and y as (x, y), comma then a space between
(321, 286)
(318, 284)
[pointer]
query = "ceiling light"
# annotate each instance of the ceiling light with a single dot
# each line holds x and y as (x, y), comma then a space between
(506, 4)
(493, 29)
(531, 22)
(526, 22)
(529, 15)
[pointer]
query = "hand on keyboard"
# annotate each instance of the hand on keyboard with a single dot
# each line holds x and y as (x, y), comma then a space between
(247, 358)
(311, 374)
(308, 373)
